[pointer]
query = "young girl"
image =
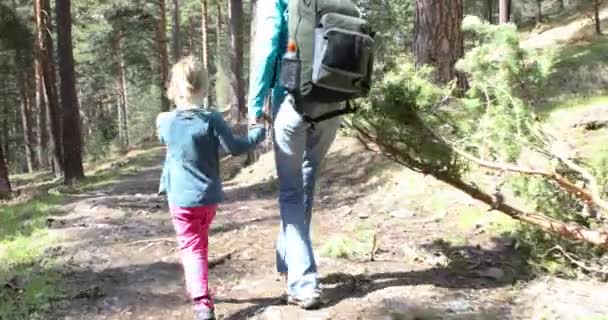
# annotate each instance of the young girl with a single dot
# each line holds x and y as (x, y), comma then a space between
(191, 173)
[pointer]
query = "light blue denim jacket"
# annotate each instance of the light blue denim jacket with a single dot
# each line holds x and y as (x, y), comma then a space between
(191, 173)
(270, 45)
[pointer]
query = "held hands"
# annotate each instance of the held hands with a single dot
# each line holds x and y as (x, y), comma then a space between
(259, 121)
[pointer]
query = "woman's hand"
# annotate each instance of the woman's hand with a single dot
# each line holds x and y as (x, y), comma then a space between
(260, 121)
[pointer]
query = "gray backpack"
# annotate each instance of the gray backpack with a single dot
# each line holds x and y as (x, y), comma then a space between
(334, 57)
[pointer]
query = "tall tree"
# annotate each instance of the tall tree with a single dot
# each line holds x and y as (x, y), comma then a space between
(5, 184)
(72, 136)
(40, 109)
(42, 10)
(596, 16)
(177, 48)
(124, 103)
(121, 86)
(539, 11)
(439, 40)
(163, 55)
(490, 10)
(205, 41)
(26, 109)
(504, 11)
(237, 83)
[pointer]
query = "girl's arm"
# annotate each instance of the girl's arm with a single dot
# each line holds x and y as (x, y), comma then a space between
(160, 119)
(236, 145)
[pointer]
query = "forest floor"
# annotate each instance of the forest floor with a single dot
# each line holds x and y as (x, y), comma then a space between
(438, 254)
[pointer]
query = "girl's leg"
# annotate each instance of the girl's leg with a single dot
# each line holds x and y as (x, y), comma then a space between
(192, 228)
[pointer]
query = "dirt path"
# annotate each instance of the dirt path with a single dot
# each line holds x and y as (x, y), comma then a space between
(119, 262)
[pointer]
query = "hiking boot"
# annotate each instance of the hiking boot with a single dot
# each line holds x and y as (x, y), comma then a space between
(204, 314)
(308, 302)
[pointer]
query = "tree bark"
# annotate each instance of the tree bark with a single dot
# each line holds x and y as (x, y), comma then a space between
(539, 11)
(72, 135)
(439, 40)
(5, 184)
(205, 43)
(490, 12)
(124, 93)
(504, 11)
(25, 120)
(121, 134)
(40, 120)
(562, 4)
(43, 23)
(163, 55)
(177, 49)
(596, 16)
(219, 53)
(235, 17)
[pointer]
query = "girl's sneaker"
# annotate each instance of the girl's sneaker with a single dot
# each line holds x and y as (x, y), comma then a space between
(204, 314)
(203, 309)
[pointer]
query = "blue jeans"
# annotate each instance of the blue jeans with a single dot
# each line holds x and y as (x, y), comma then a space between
(299, 151)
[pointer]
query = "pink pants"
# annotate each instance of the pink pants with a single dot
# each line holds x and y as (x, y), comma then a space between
(192, 228)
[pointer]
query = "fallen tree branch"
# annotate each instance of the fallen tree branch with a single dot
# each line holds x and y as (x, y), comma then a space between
(563, 229)
(149, 241)
(594, 195)
(221, 259)
(575, 260)
(586, 196)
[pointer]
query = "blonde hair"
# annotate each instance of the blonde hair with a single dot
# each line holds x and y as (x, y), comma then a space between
(189, 83)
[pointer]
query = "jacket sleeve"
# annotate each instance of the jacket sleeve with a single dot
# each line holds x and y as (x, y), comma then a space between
(236, 145)
(270, 20)
(161, 122)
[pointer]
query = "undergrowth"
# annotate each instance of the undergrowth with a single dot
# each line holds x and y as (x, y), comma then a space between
(27, 285)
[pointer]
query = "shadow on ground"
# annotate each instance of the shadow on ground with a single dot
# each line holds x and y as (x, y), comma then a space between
(466, 272)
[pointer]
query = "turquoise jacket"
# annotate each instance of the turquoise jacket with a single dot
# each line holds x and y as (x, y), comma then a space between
(269, 47)
(191, 173)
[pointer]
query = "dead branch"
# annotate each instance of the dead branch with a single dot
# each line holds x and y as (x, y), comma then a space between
(575, 260)
(563, 229)
(221, 259)
(581, 193)
(594, 194)
(150, 241)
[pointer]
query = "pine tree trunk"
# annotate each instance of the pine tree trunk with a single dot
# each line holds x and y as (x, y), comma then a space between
(25, 121)
(490, 12)
(596, 15)
(504, 11)
(124, 94)
(6, 133)
(562, 5)
(205, 42)
(121, 133)
(235, 17)
(539, 11)
(72, 135)
(5, 184)
(53, 124)
(439, 40)
(219, 52)
(163, 55)
(39, 107)
(177, 49)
